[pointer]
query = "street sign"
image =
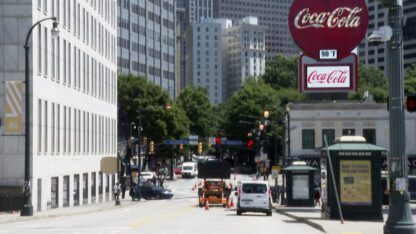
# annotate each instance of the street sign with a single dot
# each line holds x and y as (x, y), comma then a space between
(232, 142)
(211, 140)
(175, 142)
(193, 140)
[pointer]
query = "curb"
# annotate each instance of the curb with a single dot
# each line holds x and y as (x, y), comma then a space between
(302, 220)
(73, 212)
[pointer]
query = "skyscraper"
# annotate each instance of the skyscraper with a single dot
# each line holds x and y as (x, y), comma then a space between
(271, 14)
(375, 54)
(146, 41)
(73, 99)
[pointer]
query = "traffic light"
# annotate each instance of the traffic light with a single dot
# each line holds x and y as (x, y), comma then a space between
(250, 143)
(200, 148)
(181, 146)
(217, 140)
(152, 147)
(411, 103)
(144, 140)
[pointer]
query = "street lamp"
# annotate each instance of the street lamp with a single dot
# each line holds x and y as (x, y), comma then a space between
(399, 219)
(27, 208)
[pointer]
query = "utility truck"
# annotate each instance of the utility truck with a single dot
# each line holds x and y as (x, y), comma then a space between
(214, 189)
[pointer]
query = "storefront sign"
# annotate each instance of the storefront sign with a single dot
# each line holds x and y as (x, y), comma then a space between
(355, 182)
(328, 29)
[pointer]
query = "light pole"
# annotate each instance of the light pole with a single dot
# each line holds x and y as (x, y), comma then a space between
(400, 216)
(27, 208)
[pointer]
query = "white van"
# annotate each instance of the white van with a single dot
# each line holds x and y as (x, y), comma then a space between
(254, 196)
(189, 169)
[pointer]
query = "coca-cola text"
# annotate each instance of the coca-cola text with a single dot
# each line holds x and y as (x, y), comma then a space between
(333, 77)
(341, 17)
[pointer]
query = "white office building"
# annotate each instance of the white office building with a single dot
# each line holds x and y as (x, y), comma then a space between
(307, 122)
(244, 45)
(146, 41)
(204, 57)
(73, 99)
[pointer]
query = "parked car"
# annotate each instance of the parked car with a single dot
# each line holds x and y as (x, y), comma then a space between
(147, 176)
(150, 191)
(177, 170)
(254, 196)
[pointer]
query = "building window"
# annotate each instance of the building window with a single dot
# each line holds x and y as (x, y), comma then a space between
(39, 126)
(85, 188)
(93, 182)
(308, 139)
(76, 190)
(370, 135)
(40, 50)
(46, 127)
(54, 192)
(330, 136)
(65, 192)
(348, 132)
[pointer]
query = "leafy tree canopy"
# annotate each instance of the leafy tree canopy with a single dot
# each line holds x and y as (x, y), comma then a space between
(195, 102)
(372, 79)
(282, 72)
(143, 102)
(410, 80)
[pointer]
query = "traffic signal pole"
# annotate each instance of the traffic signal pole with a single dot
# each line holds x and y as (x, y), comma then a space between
(400, 216)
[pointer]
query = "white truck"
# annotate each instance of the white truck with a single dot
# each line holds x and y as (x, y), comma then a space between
(189, 169)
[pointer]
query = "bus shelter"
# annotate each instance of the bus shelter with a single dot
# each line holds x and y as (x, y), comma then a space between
(357, 175)
(299, 185)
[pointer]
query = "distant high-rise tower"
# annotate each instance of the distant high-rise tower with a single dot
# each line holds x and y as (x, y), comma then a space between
(244, 53)
(188, 11)
(371, 54)
(271, 14)
(204, 57)
(146, 41)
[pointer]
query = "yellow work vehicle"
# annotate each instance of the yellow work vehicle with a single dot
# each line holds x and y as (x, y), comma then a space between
(214, 189)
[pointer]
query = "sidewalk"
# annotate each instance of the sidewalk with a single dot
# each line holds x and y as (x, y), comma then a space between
(312, 217)
(7, 217)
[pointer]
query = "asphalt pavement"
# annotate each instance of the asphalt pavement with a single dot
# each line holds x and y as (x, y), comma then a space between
(308, 215)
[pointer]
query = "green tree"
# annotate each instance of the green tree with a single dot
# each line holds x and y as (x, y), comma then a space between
(142, 102)
(410, 80)
(195, 102)
(282, 72)
(251, 100)
(372, 79)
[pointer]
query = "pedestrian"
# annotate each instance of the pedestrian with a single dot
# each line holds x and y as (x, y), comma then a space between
(123, 190)
(116, 191)
(317, 195)
(132, 191)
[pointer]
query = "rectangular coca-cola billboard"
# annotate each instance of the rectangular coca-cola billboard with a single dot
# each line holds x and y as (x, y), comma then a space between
(328, 76)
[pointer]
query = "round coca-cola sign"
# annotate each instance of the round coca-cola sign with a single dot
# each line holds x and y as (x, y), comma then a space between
(337, 26)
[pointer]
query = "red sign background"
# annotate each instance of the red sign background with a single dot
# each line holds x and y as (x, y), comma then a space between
(328, 25)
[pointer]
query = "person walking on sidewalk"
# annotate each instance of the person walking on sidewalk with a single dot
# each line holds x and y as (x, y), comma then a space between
(317, 194)
(116, 191)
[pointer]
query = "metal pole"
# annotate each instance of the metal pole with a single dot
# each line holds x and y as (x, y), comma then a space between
(334, 184)
(400, 216)
(118, 180)
(138, 160)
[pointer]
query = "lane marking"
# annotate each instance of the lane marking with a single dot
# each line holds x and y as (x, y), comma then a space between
(156, 218)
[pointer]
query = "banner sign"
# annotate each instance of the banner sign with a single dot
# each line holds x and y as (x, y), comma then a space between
(355, 182)
(328, 76)
(328, 29)
(13, 108)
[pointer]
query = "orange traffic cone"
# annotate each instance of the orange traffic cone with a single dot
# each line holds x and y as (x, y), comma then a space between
(207, 205)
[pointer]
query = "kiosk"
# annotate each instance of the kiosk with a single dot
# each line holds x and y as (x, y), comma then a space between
(299, 184)
(357, 171)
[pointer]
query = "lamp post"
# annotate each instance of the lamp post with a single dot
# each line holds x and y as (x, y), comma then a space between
(27, 208)
(400, 216)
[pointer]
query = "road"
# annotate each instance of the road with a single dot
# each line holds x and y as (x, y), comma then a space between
(179, 215)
